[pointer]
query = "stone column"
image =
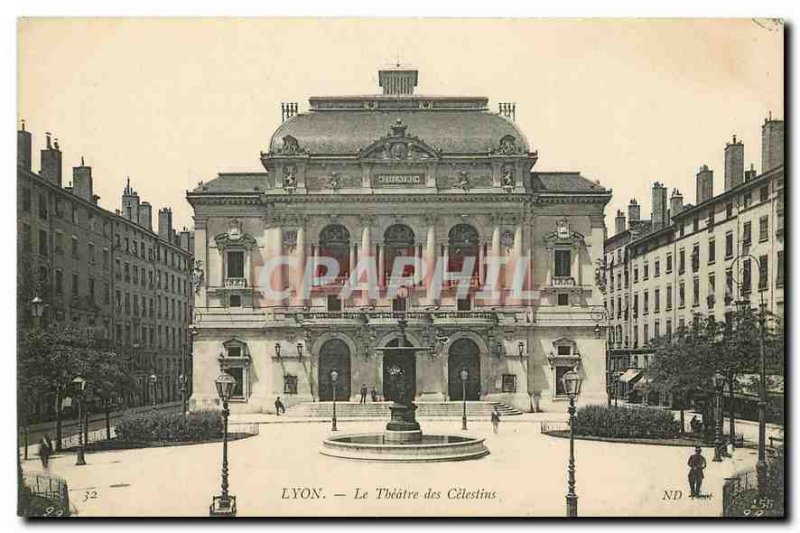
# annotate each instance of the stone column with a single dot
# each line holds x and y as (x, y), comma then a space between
(366, 256)
(300, 264)
(381, 265)
(445, 261)
(496, 253)
(417, 264)
(430, 258)
(481, 265)
(353, 257)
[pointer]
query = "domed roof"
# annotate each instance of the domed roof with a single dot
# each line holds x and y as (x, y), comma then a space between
(345, 132)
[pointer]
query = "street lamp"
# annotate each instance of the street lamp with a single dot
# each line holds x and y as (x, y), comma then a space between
(597, 331)
(334, 377)
(464, 375)
(78, 386)
(37, 311)
(153, 379)
(299, 350)
(571, 382)
(278, 350)
(224, 504)
(182, 379)
(521, 347)
(719, 385)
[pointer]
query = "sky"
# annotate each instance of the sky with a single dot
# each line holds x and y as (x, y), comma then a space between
(171, 102)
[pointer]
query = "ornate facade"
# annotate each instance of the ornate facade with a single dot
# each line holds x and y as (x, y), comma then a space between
(397, 206)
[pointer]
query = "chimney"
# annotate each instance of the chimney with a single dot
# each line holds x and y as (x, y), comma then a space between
(146, 215)
(82, 181)
(619, 222)
(705, 184)
(165, 224)
(508, 110)
(634, 213)
(288, 110)
(24, 148)
(659, 214)
(734, 164)
(51, 161)
(771, 144)
(750, 173)
(675, 204)
(130, 203)
(397, 81)
(185, 239)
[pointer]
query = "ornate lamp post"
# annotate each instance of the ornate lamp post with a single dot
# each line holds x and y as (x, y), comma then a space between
(224, 504)
(299, 350)
(572, 385)
(719, 385)
(278, 350)
(334, 377)
(37, 311)
(78, 386)
(464, 375)
(152, 380)
(182, 379)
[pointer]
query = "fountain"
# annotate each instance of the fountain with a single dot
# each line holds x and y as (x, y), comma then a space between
(403, 440)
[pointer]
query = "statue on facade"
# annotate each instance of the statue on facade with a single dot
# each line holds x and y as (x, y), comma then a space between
(507, 178)
(198, 275)
(333, 181)
(463, 180)
(289, 179)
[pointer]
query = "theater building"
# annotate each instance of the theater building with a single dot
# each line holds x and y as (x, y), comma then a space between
(398, 208)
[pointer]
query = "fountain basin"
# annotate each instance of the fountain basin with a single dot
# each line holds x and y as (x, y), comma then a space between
(386, 447)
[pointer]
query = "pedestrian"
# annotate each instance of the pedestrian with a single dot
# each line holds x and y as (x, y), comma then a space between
(495, 419)
(694, 423)
(45, 451)
(697, 464)
(279, 407)
(373, 393)
(363, 394)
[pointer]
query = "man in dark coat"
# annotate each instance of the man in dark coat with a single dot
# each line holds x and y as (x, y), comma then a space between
(45, 451)
(279, 407)
(363, 394)
(697, 464)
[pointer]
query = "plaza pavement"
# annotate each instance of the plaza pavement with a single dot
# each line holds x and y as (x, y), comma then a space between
(525, 470)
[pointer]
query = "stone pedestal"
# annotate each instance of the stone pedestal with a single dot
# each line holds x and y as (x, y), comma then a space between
(403, 426)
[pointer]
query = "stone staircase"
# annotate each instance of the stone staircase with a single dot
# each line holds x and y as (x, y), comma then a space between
(381, 409)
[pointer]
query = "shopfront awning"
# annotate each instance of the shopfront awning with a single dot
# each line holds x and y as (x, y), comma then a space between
(630, 376)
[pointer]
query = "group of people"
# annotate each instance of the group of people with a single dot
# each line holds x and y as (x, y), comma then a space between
(373, 393)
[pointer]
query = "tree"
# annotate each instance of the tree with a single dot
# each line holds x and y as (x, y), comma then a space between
(49, 360)
(681, 365)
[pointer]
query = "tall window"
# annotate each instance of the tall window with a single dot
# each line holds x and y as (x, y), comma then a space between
(746, 276)
(763, 228)
(657, 300)
(682, 295)
(563, 260)
(399, 242)
(729, 245)
(779, 274)
(695, 292)
(763, 272)
(712, 250)
(711, 288)
(463, 247)
(695, 257)
(669, 297)
(747, 233)
(334, 243)
(235, 264)
(669, 263)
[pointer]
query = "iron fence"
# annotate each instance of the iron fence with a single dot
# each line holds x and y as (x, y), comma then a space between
(47, 486)
(733, 486)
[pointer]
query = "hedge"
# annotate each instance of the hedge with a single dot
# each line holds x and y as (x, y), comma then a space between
(626, 422)
(171, 427)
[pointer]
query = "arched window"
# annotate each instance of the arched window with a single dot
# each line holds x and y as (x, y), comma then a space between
(398, 242)
(334, 242)
(463, 244)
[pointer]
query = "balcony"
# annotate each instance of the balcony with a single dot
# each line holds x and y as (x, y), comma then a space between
(235, 283)
(439, 318)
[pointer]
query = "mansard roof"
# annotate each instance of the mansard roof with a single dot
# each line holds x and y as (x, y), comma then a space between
(571, 182)
(345, 132)
(234, 182)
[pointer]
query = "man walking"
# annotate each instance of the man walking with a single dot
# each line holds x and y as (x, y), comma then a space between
(279, 407)
(373, 393)
(495, 419)
(363, 394)
(45, 451)
(697, 464)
